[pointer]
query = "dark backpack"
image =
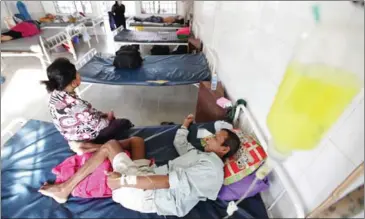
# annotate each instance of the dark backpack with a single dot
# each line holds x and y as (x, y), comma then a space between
(180, 50)
(160, 50)
(127, 57)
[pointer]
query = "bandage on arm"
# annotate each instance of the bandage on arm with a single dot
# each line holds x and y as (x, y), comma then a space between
(146, 182)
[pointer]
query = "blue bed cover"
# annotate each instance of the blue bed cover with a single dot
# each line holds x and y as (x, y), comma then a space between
(132, 36)
(156, 70)
(28, 157)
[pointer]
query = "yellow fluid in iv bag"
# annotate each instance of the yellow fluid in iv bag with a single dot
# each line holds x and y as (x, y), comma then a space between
(310, 99)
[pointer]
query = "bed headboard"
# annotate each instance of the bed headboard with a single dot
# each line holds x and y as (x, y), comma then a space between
(85, 58)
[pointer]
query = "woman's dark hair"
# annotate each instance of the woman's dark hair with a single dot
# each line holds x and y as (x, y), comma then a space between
(233, 142)
(60, 74)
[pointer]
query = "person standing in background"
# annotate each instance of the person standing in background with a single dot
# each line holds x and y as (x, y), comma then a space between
(118, 11)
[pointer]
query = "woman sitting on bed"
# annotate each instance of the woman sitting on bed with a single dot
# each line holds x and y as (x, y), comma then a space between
(74, 117)
(23, 29)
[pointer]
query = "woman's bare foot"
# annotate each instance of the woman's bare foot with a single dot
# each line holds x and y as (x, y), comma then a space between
(54, 191)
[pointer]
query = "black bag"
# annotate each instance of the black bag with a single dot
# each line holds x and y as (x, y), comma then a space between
(127, 57)
(160, 50)
(180, 50)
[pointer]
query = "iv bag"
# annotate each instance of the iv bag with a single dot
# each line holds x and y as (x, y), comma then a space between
(321, 79)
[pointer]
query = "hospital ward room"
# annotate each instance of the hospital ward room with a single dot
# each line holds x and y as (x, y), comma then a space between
(182, 109)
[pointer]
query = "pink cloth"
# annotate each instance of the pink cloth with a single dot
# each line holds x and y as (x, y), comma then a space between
(93, 186)
(183, 31)
(26, 29)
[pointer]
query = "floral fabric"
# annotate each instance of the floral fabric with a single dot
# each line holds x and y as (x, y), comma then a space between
(75, 118)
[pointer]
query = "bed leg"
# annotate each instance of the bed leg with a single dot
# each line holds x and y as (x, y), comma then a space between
(44, 66)
(47, 56)
(96, 36)
(42, 63)
(72, 49)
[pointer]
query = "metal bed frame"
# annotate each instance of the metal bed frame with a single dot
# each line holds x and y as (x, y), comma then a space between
(117, 44)
(243, 120)
(157, 27)
(91, 53)
(47, 44)
(95, 21)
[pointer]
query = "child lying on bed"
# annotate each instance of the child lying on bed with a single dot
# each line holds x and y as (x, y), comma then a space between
(23, 29)
(74, 117)
(172, 189)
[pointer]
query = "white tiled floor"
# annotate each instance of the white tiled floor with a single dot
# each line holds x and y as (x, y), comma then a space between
(23, 96)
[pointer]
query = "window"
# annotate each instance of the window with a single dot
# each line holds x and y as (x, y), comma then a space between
(70, 7)
(158, 7)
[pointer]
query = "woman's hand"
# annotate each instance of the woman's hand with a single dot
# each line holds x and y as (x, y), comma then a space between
(111, 116)
(113, 180)
(188, 120)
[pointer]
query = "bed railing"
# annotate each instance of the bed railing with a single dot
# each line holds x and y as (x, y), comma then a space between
(59, 39)
(55, 41)
(76, 30)
(96, 21)
(116, 31)
(63, 37)
(85, 58)
(245, 121)
(79, 64)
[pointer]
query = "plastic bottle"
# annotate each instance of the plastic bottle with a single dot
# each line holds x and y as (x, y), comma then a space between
(319, 83)
(214, 82)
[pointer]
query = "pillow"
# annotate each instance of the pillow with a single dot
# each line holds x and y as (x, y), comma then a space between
(236, 190)
(247, 159)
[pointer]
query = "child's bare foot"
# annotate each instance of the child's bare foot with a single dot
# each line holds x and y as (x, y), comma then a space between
(54, 191)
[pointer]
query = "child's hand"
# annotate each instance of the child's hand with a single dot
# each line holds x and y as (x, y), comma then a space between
(188, 120)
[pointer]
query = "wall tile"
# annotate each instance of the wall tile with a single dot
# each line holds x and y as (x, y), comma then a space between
(331, 164)
(349, 138)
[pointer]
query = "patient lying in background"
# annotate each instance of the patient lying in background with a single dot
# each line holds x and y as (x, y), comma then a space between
(20, 30)
(74, 117)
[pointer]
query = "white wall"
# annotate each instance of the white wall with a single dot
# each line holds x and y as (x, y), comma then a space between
(254, 41)
(180, 9)
(4, 13)
(35, 8)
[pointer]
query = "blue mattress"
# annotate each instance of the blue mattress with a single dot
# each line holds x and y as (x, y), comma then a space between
(155, 71)
(150, 24)
(28, 157)
(131, 36)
